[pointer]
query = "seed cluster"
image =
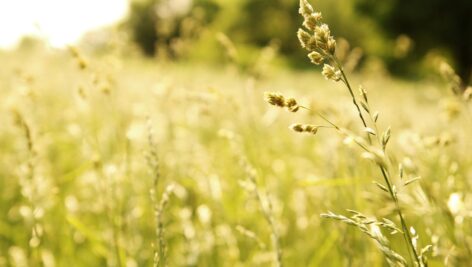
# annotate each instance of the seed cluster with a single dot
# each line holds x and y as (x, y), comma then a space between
(279, 100)
(304, 128)
(318, 41)
(455, 83)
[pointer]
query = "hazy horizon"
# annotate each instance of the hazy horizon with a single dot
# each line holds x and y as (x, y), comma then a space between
(60, 22)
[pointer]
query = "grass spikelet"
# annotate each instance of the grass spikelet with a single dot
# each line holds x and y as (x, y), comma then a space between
(454, 81)
(160, 256)
(228, 45)
(316, 58)
(81, 62)
(330, 73)
(278, 100)
(160, 247)
(275, 99)
(30, 183)
(251, 235)
(251, 185)
(468, 93)
(21, 123)
(304, 128)
(266, 208)
(362, 223)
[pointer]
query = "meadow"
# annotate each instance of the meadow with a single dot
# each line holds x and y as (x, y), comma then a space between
(113, 159)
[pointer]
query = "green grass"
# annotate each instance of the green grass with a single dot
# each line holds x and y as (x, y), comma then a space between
(91, 183)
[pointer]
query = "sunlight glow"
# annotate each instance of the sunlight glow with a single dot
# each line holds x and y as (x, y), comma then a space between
(61, 22)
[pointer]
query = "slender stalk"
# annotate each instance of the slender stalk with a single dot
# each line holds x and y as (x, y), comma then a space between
(348, 85)
(384, 172)
(376, 128)
(162, 260)
(30, 177)
(406, 232)
(160, 247)
(266, 211)
(322, 46)
(323, 117)
(406, 236)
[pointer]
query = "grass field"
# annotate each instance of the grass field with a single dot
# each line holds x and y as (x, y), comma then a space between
(82, 148)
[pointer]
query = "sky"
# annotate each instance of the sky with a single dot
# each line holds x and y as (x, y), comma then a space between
(62, 22)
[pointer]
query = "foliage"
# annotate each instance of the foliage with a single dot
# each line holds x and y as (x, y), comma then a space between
(263, 21)
(162, 23)
(432, 24)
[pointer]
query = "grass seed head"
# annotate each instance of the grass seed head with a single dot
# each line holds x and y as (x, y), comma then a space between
(305, 8)
(330, 73)
(307, 41)
(279, 100)
(331, 45)
(316, 58)
(292, 105)
(322, 34)
(468, 93)
(297, 127)
(275, 99)
(303, 37)
(78, 57)
(363, 94)
(304, 128)
(318, 40)
(312, 21)
(448, 73)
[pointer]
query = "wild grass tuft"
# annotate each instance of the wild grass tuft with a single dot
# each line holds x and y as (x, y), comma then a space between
(316, 38)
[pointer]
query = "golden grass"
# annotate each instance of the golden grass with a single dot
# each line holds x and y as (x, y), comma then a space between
(92, 180)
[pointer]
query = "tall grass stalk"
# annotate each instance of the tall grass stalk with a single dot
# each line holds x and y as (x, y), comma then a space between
(269, 217)
(265, 206)
(383, 169)
(160, 246)
(35, 239)
(252, 186)
(317, 39)
(324, 45)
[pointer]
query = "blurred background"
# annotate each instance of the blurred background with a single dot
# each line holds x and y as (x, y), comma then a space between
(103, 101)
(398, 37)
